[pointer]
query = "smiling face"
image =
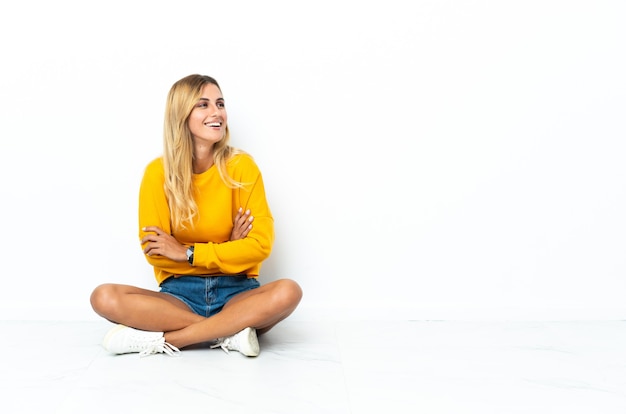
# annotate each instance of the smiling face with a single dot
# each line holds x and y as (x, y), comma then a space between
(207, 121)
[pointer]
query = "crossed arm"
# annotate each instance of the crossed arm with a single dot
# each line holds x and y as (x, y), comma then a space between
(159, 243)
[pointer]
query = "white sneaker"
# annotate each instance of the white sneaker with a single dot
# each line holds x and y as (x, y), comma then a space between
(245, 342)
(124, 340)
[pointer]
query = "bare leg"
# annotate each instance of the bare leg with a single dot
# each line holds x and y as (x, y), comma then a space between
(260, 308)
(141, 308)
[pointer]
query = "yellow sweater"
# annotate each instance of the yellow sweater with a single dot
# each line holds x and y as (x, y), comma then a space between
(214, 254)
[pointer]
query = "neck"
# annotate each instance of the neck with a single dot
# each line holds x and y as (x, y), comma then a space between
(203, 158)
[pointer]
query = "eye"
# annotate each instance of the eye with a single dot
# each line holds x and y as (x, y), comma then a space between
(221, 105)
(201, 105)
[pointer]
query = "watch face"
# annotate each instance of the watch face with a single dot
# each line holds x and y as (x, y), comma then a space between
(190, 255)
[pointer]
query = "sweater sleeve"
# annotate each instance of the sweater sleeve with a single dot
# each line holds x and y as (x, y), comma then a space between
(245, 255)
(154, 211)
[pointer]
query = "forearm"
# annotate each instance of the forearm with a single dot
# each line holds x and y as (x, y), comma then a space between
(231, 257)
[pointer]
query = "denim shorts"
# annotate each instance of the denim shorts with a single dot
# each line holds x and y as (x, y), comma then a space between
(207, 295)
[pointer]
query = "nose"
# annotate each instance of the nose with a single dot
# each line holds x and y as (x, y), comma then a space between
(213, 109)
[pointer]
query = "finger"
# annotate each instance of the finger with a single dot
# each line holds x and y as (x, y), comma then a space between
(246, 231)
(148, 249)
(246, 225)
(153, 229)
(154, 249)
(243, 218)
(238, 215)
(149, 238)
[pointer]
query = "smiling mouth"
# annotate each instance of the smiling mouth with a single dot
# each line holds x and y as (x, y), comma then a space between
(213, 124)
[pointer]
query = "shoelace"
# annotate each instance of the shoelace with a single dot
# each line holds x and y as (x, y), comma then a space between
(224, 343)
(159, 346)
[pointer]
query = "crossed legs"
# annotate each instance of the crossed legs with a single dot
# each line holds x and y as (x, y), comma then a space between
(260, 308)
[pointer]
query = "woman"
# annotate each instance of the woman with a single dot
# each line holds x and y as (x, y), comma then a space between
(196, 229)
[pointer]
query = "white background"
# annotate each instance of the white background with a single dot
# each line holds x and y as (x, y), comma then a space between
(423, 159)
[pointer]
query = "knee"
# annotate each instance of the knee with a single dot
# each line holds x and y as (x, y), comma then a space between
(103, 299)
(289, 293)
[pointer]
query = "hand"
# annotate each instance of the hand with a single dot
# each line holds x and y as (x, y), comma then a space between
(160, 243)
(241, 225)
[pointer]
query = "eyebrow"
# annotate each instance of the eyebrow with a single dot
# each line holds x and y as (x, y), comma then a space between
(208, 100)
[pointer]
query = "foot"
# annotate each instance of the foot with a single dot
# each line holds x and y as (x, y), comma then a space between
(245, 342)
(124, 340)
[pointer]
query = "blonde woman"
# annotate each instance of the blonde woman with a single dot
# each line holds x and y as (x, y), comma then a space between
(205, 227)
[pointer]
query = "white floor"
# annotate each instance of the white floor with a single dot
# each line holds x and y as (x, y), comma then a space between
(326, 367)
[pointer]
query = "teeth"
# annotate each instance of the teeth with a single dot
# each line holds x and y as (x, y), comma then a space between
(214, 124)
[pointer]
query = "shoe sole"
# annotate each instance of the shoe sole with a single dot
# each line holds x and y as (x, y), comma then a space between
(112, 332)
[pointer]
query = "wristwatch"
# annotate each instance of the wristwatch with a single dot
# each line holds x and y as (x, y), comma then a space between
(190, 255)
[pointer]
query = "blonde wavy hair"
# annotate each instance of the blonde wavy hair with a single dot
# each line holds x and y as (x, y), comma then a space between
(178, 150)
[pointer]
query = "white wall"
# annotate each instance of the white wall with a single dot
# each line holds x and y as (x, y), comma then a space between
(423, 160)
